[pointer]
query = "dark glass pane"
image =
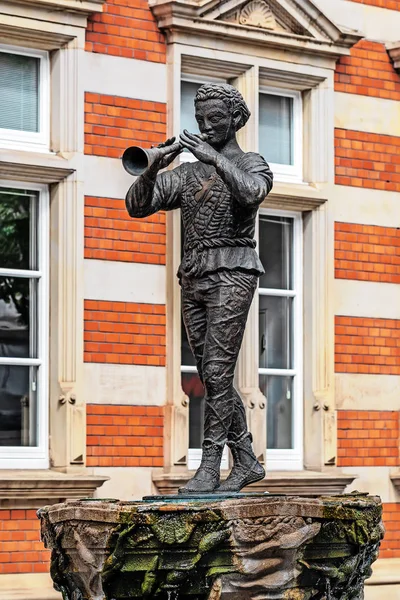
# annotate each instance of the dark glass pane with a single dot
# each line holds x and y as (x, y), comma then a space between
(18, 317)
(188, 92)
(279, 394)
(18, 244)
(276, 128)
(19, 92)
(194, 389)
(276, 250)
(18, 407)
(275, 331)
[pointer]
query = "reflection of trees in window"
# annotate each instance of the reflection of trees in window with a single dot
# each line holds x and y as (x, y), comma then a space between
(15, 249)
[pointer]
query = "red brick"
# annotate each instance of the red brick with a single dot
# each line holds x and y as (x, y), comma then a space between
(132, 443)
(388, 4)
(383, 151)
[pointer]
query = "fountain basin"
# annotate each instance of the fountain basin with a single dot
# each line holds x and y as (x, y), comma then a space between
(242, 547)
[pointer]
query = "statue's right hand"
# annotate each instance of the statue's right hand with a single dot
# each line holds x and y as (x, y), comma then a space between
(169, 150)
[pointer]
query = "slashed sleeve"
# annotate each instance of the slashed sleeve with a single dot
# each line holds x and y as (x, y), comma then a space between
(153, 192)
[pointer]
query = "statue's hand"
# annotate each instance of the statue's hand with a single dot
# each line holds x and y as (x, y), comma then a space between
(198, 147)
(170, 151)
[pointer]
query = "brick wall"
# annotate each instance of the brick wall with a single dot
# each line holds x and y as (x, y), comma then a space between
(126, 28)
(21, 550)
(389, 4)
(124, 333)
(124, 436)
(365, 345)
(368, 438)
(112, 123)
(110, 234)
(367, 160)
(367, 252)
(390, 546)
(368, 71)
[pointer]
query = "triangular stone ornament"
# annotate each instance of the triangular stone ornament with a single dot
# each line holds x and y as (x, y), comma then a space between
(296, 25)
(258, 14)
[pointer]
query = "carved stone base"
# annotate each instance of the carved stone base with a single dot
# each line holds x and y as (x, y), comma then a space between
(243, 547)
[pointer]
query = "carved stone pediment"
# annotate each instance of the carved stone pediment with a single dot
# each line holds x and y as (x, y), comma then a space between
(294, 24)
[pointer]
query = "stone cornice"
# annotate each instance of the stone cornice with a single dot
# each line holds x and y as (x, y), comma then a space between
(188, 19)
(85, 7)
(31, 489)
(36, 167)
(297, 483)
(394, 53)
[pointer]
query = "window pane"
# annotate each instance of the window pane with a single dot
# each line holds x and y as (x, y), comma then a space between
(276, 248)
(188, 120)
(275, 331)
(279, 395)
(194, 389)
(276, 129)
(18, 406)
(18, 317)
(18, 227)
(19, 92)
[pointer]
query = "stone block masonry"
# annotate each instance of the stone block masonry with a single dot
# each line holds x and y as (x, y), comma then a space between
(124, 436)
(364, 345)
(367, 160)
(367, 253)
(110, 234)
(126, 28)
(21, 550)
(124, 333)
(368, 438)
(368, 71)
(113, 123)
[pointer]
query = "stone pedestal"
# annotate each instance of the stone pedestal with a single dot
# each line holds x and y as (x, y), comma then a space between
(246, 547)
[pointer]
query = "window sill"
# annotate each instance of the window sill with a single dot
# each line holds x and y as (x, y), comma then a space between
(294, 196)
(297, 483)
(36, 167)
(33, 489)
(386, 571)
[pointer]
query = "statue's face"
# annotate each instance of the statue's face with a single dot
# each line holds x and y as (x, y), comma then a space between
(216, 121)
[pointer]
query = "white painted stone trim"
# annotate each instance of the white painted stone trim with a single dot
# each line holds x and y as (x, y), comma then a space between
(124, 384)
(367, 392)
(367, 299)
(124, 282)
(366, 113)
(126, 77)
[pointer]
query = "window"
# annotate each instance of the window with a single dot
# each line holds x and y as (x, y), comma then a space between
(24, 99)
(23, 326)
(280, 336)
(279, 132)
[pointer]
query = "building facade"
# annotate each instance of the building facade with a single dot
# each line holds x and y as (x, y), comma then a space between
(98, 390)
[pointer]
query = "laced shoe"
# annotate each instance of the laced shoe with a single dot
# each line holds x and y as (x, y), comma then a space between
(207, 476)
(246, 468)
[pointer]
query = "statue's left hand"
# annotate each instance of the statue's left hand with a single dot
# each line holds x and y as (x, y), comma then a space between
(198, 147)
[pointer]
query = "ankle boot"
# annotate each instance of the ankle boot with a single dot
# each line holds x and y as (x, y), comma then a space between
(246, 468)
(206, 478)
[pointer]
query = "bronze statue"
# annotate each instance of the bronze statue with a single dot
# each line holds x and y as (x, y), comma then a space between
(219, 197)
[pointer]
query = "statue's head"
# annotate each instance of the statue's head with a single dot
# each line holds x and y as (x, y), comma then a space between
(220, 112)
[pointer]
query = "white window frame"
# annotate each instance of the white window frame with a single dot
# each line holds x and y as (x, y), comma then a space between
(291, 459)
(28, 140)
(35, 457)
(289, 173)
